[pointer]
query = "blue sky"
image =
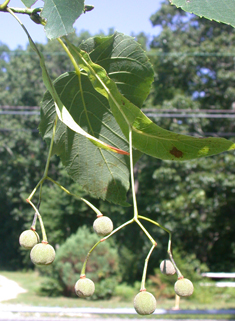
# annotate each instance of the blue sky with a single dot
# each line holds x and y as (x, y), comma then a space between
(127, 16)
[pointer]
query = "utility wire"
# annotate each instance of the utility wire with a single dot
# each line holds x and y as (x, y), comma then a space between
(149, 114)
(152, 52)
(173, 110)
(35, 130)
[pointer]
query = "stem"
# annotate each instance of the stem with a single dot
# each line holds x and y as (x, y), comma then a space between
(162, 227)
(179, 274)
(62, 187)
(142, 288)
(36, 187)
(78, 72)
(77, 69)
(47, 165)
(95, 209)
(34, 221)
(50, 148)
(83, 271)
(27, 11)
(44, 236)
(146, 232)
(132, 176)
(117, 229)
(133, 190)
(4, 5)
(103, 239)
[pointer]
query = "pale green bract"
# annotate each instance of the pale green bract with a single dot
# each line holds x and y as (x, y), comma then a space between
(100, 172)
(147, 136)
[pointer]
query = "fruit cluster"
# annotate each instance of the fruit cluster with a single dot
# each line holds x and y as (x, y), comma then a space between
(144, 302)
(41, 253)
(44, 254)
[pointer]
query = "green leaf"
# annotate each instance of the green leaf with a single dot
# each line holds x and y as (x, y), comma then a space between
(218, 10)
(28, 3)
(147, 136)
(60, 16)
(125, 62)
(102, 173)
(122, 57)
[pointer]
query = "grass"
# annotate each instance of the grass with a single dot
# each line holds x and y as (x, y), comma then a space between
(204, 298)
(31, 282)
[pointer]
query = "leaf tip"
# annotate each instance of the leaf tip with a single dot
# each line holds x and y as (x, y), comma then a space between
(119, 151)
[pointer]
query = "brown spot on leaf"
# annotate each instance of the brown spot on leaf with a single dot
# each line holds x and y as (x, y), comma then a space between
(175, 152)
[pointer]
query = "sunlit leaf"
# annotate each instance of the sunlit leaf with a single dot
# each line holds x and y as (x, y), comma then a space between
(60, 16)
(102, 173)
(125, 62)
(147, 136)
(218, 10)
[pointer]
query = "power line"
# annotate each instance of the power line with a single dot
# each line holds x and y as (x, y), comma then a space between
(148, 114)
(20, 107)
(15, 112)
(219, 134)
(173, 115)
(152, 52)
(188, 110)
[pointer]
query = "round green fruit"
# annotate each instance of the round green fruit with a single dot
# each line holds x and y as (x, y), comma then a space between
(103, 226)
(166, 267)
(145, 303)
(28, 239)
(84, 287)
(42, 254)
(183, 287)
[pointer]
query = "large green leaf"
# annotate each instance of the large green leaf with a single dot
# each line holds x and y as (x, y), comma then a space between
(60, 16)
(147, 136)
(112, 183)
(125, 62)
(100, 172)
(218, 10)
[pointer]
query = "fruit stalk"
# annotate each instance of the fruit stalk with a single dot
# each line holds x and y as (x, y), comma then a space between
(83, 271)
(142, 288)
(44, 236)
(179, 274)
